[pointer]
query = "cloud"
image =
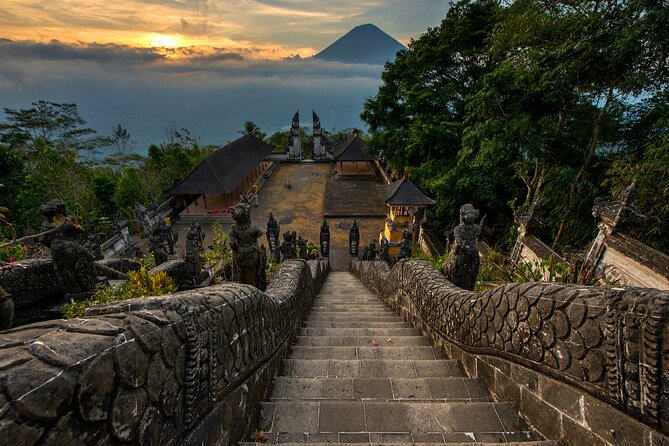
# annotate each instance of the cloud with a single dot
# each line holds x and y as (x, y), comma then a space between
(289, 26)
(211, 92)
(54, 50)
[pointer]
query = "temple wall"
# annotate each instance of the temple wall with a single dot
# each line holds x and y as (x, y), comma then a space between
(585, 365)
(185, 368)
(426, 244)
(29, 281)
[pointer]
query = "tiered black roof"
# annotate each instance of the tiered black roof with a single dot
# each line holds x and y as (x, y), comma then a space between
(403, 193)
(353, 149)
(223, 170)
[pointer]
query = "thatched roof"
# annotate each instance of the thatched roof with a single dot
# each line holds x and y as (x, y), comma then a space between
(353, 149)
(403, 193)
(223, 170)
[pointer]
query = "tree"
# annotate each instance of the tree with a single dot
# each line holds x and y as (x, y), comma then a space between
(122, 148)
(56, 124)
(129, 190)
(251, 128)
(506, 96)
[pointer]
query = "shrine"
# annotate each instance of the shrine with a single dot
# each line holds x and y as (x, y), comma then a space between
(406, 204)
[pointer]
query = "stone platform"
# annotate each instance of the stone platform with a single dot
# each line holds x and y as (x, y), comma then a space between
(353, 197)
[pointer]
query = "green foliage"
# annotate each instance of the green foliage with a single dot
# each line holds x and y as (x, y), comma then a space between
(129, 190)
(12, 253)
(140, 284)
(251, 128)
(493, 270)
(219, 255)
(436, 262)
(506, 96)
(649, 167)
(57, 124)
(40, 160)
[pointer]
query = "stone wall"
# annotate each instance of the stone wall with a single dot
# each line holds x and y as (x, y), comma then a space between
(185, 368)
(586, 365)
(30, 281)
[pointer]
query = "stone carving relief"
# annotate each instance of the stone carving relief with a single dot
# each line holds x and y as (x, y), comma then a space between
(608, 341)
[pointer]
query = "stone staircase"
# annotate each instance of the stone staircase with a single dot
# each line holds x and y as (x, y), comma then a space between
(359, 374)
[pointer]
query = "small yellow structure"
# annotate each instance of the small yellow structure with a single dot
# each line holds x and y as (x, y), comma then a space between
(405, 203)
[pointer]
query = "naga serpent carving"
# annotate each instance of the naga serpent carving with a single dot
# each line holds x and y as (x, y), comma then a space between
(606, 341)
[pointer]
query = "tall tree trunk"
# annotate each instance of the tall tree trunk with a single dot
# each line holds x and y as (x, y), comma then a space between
(574, 191)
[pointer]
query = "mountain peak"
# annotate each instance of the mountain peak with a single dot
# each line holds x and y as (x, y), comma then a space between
(363, 44)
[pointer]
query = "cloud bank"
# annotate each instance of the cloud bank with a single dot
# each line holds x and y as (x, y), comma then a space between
(210, 91)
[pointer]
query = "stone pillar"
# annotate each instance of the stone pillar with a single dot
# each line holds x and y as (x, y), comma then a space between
(319, 150)
(294, 146)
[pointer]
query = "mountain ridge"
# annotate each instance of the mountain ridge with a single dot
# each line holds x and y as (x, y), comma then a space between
(366, 44)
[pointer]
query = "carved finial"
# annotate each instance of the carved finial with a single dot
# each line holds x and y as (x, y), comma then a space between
(620, 211)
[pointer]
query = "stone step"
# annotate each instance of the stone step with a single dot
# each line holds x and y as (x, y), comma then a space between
(363, 341)
(372, 368)
(347, 297)
(353, 308)
(367, 311)
(396, 416)
(374, 332)
(401, 439)
(353, 317)
(349, 353)
(355, 324)
(387, 389)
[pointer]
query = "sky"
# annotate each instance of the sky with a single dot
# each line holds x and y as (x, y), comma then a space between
(206, 65)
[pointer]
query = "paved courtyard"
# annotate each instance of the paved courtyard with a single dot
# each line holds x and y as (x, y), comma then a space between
(302, 207)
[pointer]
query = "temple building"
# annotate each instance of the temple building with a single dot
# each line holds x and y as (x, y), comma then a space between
(406, 204)
(229, 171)
(352, 158)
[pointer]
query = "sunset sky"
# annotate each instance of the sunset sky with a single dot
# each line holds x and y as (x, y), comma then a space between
(254, 28)
(206, 64)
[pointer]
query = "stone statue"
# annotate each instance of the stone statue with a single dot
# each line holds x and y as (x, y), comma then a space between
(74, 263)
(93, 245)
(325, 239)
(383, 250)
(247, 265)
(354, 239)
(193, 251)
(302, 248)
(405, 245)
(6, 310)
(462, 266)
(371, 250)
(167, 236)
(272, 234)
(157, 247)
(363, 253)
(288, 247)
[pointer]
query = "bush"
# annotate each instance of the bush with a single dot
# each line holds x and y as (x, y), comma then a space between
(140, 284)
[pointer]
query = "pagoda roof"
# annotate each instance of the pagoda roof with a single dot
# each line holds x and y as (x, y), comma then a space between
(353, 149)
(403, 193)
(225, 168)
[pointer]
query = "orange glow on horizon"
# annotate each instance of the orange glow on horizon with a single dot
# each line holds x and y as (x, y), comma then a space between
(163, 41)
